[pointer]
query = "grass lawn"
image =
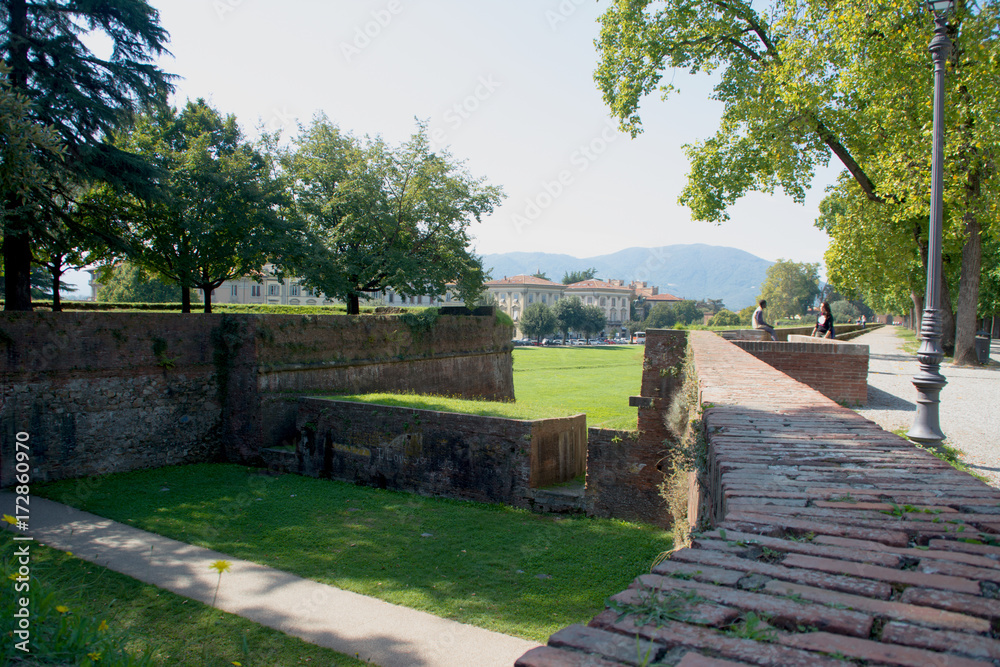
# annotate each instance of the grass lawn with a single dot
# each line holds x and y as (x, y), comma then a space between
(172, 629)
(493, 566)
(552, 382)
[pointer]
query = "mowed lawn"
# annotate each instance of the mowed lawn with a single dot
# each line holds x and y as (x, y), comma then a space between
(552, 382)
(493, 566)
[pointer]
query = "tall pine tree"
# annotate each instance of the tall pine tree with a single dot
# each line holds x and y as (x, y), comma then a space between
(83, 98)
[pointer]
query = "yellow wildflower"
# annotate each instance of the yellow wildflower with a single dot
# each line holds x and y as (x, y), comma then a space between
(95, 656)
(220, 566)
(103, 626)
(62, 609)
(9, 519)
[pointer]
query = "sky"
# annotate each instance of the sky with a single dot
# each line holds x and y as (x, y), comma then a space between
(507, 87)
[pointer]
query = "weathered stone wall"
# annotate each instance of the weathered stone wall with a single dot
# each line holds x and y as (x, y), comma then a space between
(99, 393)
(105, 392)
(836, 369)
(487, 459)
(616, 484)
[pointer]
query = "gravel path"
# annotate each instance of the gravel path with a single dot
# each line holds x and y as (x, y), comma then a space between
(970, 403)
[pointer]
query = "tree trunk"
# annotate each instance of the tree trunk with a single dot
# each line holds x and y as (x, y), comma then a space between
(968, 294)
(947, 318)
(353, 304)
(917, 312)
(185, 299)
(207, 289)
(17, 271)
(56, 275)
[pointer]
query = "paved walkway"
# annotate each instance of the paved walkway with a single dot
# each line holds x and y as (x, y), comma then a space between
(970, 403)
(386, 634)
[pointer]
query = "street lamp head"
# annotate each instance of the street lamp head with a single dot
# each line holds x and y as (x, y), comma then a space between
(941, 8)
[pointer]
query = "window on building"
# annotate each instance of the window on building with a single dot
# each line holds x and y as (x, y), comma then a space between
(236, 290)
(391, 297)
(613, 304)
(272, 290)
(255, 290)
(604, 301)
(293, 290)
(531, 298)
(420, 300)
(590, 301)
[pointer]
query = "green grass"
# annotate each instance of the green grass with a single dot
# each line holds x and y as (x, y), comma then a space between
(142, 619)
(488, 565)
(552, 382)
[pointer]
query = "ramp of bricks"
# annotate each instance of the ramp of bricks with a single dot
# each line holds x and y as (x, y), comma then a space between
(851, 544)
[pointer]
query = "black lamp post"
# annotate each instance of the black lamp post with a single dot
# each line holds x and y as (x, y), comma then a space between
(929, 381)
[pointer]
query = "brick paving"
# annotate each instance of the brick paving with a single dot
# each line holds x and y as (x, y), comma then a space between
(833, 543)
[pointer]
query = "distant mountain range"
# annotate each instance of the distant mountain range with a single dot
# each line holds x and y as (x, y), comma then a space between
(696, 271)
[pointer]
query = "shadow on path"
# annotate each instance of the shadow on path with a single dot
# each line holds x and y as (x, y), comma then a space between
(883, 400)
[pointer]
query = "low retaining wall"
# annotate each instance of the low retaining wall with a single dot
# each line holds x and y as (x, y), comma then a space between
(836, 369)
(487, 459)
(109, 392)
(851, 545)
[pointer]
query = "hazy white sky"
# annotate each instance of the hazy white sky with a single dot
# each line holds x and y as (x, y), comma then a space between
(508, 86)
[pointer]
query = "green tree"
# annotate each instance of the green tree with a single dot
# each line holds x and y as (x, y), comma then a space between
(216, 217)
(571, 277)
(790, 287)
(81, 97)
(661, 316)
(540, 274)
(746, 315)
(724, 318)
(569, 314)
(125, 282)
(537, 321)
(592, 322)
(379, 217)
(804, 81)
(844, 311)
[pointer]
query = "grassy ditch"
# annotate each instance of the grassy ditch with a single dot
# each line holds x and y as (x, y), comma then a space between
(493, 566)
(84, 614)
(552, 382)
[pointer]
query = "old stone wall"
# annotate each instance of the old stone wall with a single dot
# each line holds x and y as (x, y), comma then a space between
(486, 459)
(107, 392)
(615, 463)
(836, 369)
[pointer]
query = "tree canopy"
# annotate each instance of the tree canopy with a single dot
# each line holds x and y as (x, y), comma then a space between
(804, 81)
(216, 217)
(570, 277)
(79, 97)
(569, 314)
(125, 282)
(790, 288)
(537, 321)
(378, 216)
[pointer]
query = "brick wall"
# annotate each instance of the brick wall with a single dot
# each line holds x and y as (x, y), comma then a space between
(836, 369)
(622, 478)
(849, 544)
(487, 459)
(624, 468)
(106, 392)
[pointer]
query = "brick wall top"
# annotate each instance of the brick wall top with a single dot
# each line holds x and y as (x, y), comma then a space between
(798, 344)
(848, 544)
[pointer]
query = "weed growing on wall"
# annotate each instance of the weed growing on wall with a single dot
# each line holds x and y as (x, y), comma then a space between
(420, 322)
(686, 449)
